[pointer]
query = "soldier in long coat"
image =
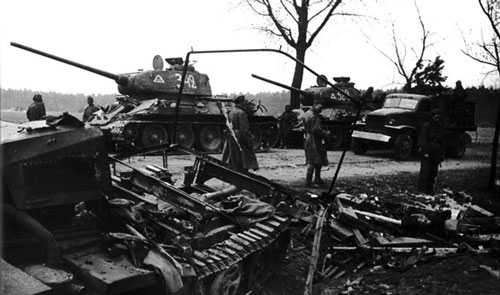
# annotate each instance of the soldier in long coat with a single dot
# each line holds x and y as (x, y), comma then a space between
(432, 149)
(239, 154)
(314, 145)
(36, 111)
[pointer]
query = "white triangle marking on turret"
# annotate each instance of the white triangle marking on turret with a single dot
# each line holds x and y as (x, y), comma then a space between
(158, 79)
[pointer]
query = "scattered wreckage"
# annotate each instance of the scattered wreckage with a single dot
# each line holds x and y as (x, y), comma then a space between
(79, 220)
(355, 233)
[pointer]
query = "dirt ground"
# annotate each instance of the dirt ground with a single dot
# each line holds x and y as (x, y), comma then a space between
(377, 174)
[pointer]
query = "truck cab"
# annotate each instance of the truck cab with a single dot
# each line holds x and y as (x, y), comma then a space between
(397, 124)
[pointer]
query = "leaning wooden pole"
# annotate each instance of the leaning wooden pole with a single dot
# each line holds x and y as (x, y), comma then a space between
(315, 250)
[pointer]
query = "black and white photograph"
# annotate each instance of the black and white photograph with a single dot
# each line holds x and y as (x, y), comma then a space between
(249, 147)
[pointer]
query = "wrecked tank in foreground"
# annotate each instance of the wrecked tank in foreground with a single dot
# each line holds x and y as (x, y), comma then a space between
(78, 221)
(145, 111)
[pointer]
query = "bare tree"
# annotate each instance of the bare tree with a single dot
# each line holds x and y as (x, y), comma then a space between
(401, 54)
(293, 21)
(488, 53)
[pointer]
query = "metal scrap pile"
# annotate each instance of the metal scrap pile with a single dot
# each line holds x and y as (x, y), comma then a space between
(368, 233)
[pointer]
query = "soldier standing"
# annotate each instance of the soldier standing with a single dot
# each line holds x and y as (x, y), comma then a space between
(432, 149)
(90, 109)
(238, 150)
(287, 121)
(36, 111)
(460, 96)
(314, 145)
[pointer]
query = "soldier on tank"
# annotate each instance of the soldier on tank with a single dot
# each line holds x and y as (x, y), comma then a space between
(36, 111)
(432, 151)
(90, 109)
(238, 150)
(314, 145)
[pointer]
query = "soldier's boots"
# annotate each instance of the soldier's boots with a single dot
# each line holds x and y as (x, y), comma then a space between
(309, 182)
(319, 181)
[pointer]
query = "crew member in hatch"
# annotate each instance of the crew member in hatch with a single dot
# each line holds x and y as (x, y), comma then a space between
(36, 111)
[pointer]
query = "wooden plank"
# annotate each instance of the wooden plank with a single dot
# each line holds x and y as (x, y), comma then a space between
(402, 241)
(341, 231)
(359, 237)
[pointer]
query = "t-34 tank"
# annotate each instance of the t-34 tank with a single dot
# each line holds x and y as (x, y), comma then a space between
(339, 112)
(145, 111)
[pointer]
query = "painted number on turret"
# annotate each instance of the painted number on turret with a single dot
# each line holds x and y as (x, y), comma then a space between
(339, 96)
(190, 82)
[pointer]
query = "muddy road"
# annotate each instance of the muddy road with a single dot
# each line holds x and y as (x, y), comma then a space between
(287, 166)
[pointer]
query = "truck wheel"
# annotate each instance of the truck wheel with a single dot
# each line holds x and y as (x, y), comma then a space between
(457, 151)
(359, 146)
(403, 147)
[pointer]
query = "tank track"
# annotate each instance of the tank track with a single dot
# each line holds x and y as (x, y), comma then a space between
(239, 246)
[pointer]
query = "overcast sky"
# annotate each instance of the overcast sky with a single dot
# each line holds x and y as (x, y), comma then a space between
(123, 36)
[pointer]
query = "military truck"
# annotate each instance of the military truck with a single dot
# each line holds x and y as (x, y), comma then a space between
(149, 107)
(79, 221)
(397, 124)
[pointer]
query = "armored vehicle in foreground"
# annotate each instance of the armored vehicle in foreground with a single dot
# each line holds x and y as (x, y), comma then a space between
(398, 123)
(78, 221)
(145, 112)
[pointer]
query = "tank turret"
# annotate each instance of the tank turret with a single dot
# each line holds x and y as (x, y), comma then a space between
(148, 84)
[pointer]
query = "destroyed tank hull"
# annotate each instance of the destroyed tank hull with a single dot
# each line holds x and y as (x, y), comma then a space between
(83, 227)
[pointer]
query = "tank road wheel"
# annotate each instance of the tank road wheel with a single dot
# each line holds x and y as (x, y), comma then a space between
(130, 133)
(185, 136)
(403, 147)
(227, 281)
(457, 151)
(359, 146)
(257, 137)
(154, 134)
(336, 138)
(271, 136)
(210, 138)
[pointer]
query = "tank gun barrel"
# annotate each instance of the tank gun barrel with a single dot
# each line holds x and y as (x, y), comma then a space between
(280, 84)
(120, 79)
